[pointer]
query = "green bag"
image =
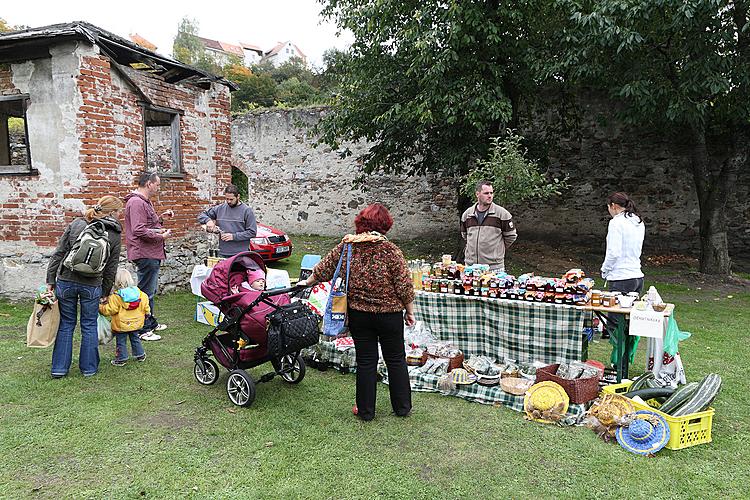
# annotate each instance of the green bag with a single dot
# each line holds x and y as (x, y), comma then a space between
(673, 336)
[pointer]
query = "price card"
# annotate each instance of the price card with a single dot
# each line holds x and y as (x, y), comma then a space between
(647, 323)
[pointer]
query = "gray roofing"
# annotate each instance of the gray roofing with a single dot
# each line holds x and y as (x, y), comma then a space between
(122, 50)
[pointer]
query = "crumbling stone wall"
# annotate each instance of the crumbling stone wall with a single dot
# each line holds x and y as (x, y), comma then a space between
(300, 188)
(86, 136)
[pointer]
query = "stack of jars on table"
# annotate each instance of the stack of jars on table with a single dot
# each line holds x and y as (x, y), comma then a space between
(477, 281)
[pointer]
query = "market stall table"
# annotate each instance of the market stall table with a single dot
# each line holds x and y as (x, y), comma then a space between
(504, 329)
(623, 346)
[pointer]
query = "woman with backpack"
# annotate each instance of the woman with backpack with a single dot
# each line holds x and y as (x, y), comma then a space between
(81, 271)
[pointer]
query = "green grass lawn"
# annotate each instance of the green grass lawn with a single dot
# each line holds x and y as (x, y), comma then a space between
(149, 430)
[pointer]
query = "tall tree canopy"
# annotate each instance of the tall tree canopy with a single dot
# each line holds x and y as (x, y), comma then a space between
(429, 82)
(679, 65)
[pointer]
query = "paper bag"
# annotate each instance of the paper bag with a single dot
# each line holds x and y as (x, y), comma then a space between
(41, 330)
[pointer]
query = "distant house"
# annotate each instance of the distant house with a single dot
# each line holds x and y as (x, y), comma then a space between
(222, 52)
(283, 52)
(253, 53)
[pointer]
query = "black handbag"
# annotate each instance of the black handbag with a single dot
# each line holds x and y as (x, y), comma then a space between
(291, 328)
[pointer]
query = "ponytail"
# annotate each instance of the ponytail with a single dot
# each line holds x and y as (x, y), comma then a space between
(623, 200)
(104, 207)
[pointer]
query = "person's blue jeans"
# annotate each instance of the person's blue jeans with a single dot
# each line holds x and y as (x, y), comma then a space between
(148, 280)
(121, 351)
(69, 295)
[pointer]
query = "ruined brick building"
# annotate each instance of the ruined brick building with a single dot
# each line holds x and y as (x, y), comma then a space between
(82, 113)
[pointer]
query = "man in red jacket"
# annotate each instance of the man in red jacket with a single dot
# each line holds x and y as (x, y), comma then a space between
(145, 238)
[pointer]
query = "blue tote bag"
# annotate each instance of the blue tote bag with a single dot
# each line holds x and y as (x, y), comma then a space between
(334, 317)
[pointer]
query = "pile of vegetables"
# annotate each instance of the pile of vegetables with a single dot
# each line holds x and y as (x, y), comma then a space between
(686, 399)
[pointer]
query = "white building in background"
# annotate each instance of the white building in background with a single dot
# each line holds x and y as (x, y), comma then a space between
(253, 54)
(249, 54)
(283, 52)
(222, 52)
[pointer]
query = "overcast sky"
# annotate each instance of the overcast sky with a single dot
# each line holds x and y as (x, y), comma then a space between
(261, 23)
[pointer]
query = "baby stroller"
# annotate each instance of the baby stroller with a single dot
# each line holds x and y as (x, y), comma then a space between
(258, 326)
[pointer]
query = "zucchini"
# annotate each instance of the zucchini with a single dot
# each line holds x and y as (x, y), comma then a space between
(703, 396)
(653, 384)
(640, 381)
(679, 397)
(650, 392)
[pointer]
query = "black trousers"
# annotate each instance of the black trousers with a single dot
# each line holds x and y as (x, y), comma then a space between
(623, 286)
(367, 330)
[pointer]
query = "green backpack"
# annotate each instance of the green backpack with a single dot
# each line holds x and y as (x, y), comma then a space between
(89, 253)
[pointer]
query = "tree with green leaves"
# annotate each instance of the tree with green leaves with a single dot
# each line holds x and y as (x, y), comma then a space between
(680, 66)
(431, 82)
(514, 177)
(188, 49)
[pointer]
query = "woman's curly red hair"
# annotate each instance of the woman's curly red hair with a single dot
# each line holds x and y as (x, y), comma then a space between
(374, 217)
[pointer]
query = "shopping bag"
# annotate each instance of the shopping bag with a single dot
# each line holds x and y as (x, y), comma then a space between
(104, 327)
(673, 337)
(41, 330)
(334, 318)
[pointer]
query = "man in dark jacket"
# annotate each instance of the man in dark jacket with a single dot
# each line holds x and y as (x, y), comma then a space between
(145, 237)
(235, 222)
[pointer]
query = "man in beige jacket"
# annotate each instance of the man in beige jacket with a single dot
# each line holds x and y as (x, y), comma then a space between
(488, 230)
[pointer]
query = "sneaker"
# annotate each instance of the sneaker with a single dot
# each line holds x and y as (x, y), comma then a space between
(160, 327)
(117, 362)
(150, 336)
(141, 358)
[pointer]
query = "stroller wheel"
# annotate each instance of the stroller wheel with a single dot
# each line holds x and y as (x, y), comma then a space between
(240, 388)
(292, 368)
(208, 374)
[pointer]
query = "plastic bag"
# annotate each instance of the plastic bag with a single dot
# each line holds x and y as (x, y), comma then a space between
(418, 335)
(673, 337)
(104, 327)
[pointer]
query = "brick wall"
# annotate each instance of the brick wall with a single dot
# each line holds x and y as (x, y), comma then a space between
(94, 146)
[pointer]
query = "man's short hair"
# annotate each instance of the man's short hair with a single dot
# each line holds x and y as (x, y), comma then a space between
(146, 177)
(232, 189)
(481, 184)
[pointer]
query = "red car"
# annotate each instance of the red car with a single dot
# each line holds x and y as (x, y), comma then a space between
(271, 243)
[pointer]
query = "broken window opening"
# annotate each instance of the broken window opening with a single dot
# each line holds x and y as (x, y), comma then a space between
(162, 141)
(15, 157)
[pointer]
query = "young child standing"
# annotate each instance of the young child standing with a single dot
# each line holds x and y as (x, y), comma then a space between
(128, 307)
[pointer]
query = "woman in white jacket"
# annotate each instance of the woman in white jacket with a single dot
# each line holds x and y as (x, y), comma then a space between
(622, 264)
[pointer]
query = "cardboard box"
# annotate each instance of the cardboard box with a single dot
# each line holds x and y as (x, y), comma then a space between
(208, 314)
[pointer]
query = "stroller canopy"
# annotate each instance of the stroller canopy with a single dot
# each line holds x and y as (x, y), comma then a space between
(219, 283)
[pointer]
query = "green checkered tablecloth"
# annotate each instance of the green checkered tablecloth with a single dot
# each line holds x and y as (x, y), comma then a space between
(504, 329)
(325, 351)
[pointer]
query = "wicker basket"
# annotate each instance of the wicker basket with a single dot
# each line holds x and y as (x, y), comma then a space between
(454, 362)
(580, 390)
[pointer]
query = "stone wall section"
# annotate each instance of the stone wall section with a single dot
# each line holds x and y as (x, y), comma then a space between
(303, 189)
